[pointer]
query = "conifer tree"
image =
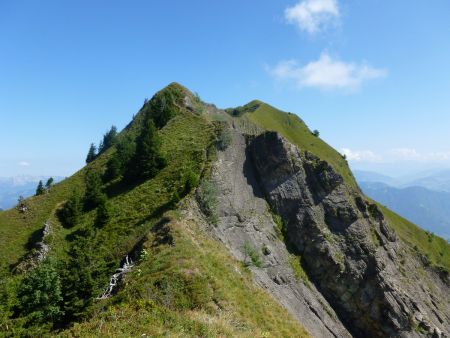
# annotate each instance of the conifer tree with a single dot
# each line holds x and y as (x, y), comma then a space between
(94, 190)
(109, 139)
(77, 281)
(116, 166)
(40, 190)
(70, 213)
(147, 160)
(49, 183)
(92, 154)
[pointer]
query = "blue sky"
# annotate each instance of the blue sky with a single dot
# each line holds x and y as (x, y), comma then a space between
(373, 76)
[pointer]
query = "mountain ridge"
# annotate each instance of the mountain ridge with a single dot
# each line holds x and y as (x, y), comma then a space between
(169, 216)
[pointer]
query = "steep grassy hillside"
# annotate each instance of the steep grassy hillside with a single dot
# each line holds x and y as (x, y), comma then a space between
(295, 130)
(187, 285)
(190, 287)
(17, 229)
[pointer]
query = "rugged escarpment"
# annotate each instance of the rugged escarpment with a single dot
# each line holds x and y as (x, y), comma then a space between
(242, 224)
(348, 249)
(246, 226)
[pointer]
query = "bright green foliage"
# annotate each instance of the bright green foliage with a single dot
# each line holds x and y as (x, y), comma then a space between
(92, 154)
(40, 190)
(109, 139)
(191, 180)
(40, 294)
(94, 191)
(148, 159)
(70, 213)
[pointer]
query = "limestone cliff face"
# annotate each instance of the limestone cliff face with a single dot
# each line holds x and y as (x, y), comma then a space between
(245, 222)
(349, 250)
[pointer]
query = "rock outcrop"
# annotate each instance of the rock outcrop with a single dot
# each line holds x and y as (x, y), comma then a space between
(348, 248)
(38, 252)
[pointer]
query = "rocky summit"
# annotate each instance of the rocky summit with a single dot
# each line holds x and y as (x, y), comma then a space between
(196, 221)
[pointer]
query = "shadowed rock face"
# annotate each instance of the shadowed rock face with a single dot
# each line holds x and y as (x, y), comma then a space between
(348, 248)
(245, 221)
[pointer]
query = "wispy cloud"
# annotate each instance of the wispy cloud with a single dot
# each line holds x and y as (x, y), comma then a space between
(24, 164)
(361, 155)
(411, 154)
(404, 154)
(312, 15)
(326, 73)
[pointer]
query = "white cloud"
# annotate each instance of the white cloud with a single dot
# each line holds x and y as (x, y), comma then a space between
(360, 155)
(406, 154)
(411, 154)
(326, 73)
(312, 15)
(24, 164)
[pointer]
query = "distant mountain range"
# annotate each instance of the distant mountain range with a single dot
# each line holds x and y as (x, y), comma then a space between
(423, 200)
(13, 187)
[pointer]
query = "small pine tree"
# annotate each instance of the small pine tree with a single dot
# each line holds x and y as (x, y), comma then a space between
(147, 160)
(316, 133)
(40, 190)
(49, 183)
(92, 154)
(70, 213)
(77, 282)
(94, 190)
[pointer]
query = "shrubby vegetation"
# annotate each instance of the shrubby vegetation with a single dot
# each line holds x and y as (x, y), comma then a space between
(252, 253)
(208, 199)
(40, 295)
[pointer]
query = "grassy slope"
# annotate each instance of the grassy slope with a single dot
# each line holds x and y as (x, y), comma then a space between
(190, 289)
(16, 228)
(295, 130)
(135, 211)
